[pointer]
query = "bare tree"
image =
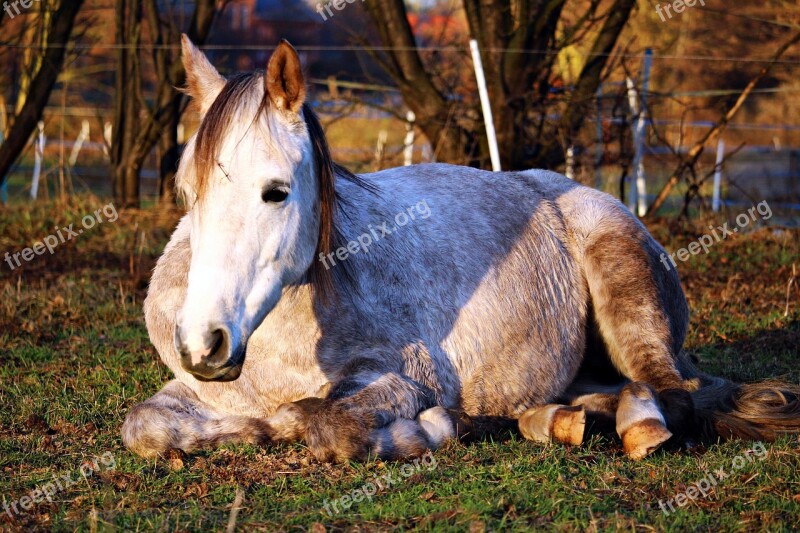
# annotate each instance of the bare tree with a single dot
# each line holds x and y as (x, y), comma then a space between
(686, 169)
(139, 126)
(520, 41)
(48, 61)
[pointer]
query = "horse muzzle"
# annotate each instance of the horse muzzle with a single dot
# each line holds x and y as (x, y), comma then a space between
(209, 356)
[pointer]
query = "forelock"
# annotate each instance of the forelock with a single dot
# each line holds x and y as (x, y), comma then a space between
(239, 100)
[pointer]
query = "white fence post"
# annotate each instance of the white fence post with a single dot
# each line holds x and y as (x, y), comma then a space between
(427, 153)
(638, 190)
(380, 149)
(108, 133)
(716, 198)
(76, 148)
(491, 135)
(37, 163)
(570, 172)
(599, 149)
(408, 151)
(633, 102)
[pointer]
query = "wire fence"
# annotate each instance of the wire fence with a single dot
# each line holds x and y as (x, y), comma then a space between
(363, 149)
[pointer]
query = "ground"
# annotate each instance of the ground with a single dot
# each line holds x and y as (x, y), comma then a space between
(75, 357)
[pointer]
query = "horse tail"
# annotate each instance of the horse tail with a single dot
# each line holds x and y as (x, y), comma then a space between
(760, 411)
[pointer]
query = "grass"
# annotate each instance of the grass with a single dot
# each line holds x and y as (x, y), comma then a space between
(76, 356)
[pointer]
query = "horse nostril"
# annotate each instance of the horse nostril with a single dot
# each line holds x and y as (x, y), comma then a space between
(212, 352)
(218, 353)
(210, 359)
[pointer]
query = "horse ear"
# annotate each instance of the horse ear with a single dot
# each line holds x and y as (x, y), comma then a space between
(203, 82)
(284, 79)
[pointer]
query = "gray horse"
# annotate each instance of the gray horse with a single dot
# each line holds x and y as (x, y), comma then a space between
(383, 314)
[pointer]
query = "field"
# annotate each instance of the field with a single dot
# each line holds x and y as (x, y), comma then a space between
(75, 357)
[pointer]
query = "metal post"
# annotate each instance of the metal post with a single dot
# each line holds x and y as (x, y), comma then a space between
(491, 136)
(380, 149)
(633, 103)
(570, 170)
(108, 131)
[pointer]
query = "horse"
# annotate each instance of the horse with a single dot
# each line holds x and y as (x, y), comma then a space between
(381, 315)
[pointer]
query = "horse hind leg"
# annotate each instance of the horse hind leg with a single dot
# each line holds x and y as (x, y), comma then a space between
(601, 412)
(586, 408)
(635, 307)
(175, 418)
(634, 413)
(641, 315)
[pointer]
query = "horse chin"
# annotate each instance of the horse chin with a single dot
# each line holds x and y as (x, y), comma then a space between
(226, 373)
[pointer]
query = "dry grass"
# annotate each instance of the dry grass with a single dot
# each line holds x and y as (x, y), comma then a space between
(76, 357)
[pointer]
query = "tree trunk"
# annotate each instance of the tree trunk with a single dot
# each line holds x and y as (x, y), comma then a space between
(432, 109)
(502, 28)
(140, 126)
(583, 96)
(162, 128)
(127, 105)
(170, 155)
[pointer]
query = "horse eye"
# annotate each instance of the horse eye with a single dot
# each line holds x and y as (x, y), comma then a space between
(275, 195)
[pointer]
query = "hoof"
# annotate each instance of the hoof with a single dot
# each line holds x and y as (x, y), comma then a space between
(640, 423)
(645, 437)
(554, 423)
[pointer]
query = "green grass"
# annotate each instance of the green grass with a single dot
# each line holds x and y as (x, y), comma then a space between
(75, 357)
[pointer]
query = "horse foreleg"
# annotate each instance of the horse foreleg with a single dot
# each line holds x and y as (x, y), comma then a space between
(175, 418)
(372, 411)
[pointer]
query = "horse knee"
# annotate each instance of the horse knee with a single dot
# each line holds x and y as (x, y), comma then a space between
(148, 431)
